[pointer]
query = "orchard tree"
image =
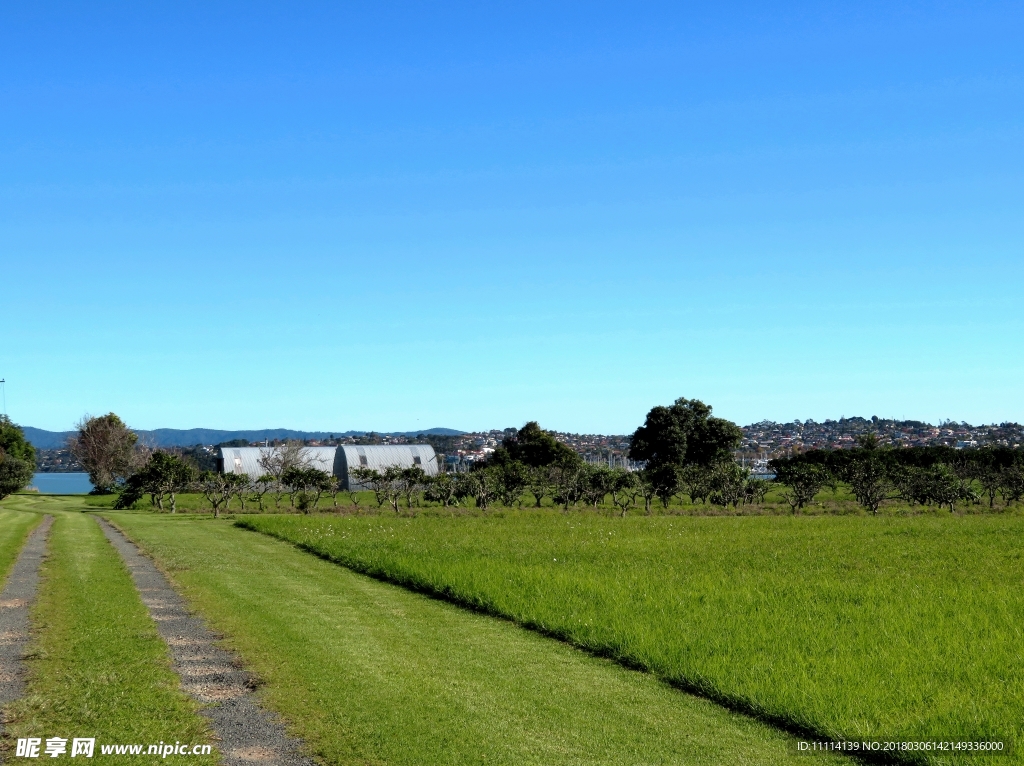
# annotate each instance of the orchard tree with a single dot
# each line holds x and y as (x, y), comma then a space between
(697, 481)
(412, 480)
(163, 475)
(172, 475)
(513, 478)
(441, 489)
(215, 488)
(803, 480)
(625, 488)
(728, 482)
(261, 486)
(1012, 483)
(309, 484)
(481, 485)
(599, 481)
(868, 477)
(383, 486)
(569, 480)
(755, 490)
(540, 482)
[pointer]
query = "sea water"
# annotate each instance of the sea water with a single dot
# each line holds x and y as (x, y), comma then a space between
(62, 483)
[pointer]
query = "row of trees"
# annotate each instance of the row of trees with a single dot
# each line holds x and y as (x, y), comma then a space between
(285, 472)
(684, 449)
(939, 476)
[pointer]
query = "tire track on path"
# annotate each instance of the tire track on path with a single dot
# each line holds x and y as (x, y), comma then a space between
(15, 600)
(247, 733)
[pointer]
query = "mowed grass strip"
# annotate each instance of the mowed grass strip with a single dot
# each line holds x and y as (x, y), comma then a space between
(15, 528)
(97, 667)
(366, 672)
(910, 629)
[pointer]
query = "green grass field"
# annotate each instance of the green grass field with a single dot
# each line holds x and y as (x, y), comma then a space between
(367, 672)
(908, 628)
(14, 530)
(97, 667)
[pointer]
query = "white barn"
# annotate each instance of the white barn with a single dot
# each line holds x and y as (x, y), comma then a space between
(339, 461)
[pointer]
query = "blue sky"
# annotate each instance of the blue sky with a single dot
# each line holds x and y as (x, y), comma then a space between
(386, 216)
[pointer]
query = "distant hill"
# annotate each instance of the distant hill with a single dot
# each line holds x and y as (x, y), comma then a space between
(41, 439)
(174, 437)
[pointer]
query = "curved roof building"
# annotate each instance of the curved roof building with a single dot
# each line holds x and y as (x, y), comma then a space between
(246, 460)
(339, 461)
(381, 456)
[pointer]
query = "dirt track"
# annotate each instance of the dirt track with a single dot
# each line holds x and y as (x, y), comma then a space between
(212, 676)
(15, 601)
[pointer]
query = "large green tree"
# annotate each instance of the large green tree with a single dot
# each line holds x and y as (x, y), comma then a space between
(17, 458)
(14, 443)
(684, 433)
(535, 447)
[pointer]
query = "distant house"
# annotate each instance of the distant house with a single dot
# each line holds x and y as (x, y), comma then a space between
(339, 461)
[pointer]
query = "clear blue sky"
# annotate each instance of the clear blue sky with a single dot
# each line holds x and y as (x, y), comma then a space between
(386, 216)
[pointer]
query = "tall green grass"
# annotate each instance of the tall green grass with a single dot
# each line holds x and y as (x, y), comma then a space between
(853, 627)
(368, 673)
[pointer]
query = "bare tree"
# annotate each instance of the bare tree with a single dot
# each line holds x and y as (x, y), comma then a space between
(276, 460)
(108, 450)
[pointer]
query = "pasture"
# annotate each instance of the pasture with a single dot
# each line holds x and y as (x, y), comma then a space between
(850, 626)
(362, 671)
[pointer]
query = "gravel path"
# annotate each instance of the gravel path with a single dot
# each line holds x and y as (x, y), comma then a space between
(15, 600)
(212, 676)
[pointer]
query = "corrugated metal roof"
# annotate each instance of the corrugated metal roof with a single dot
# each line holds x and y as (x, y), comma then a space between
(337, 460)
(245, 460)
(381, 456)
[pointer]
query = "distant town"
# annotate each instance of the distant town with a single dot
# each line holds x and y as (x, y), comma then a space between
(761, 441)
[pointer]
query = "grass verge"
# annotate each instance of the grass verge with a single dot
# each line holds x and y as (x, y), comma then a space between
(15, 528)
(852, 627)
(97, 667)
(370, 673)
